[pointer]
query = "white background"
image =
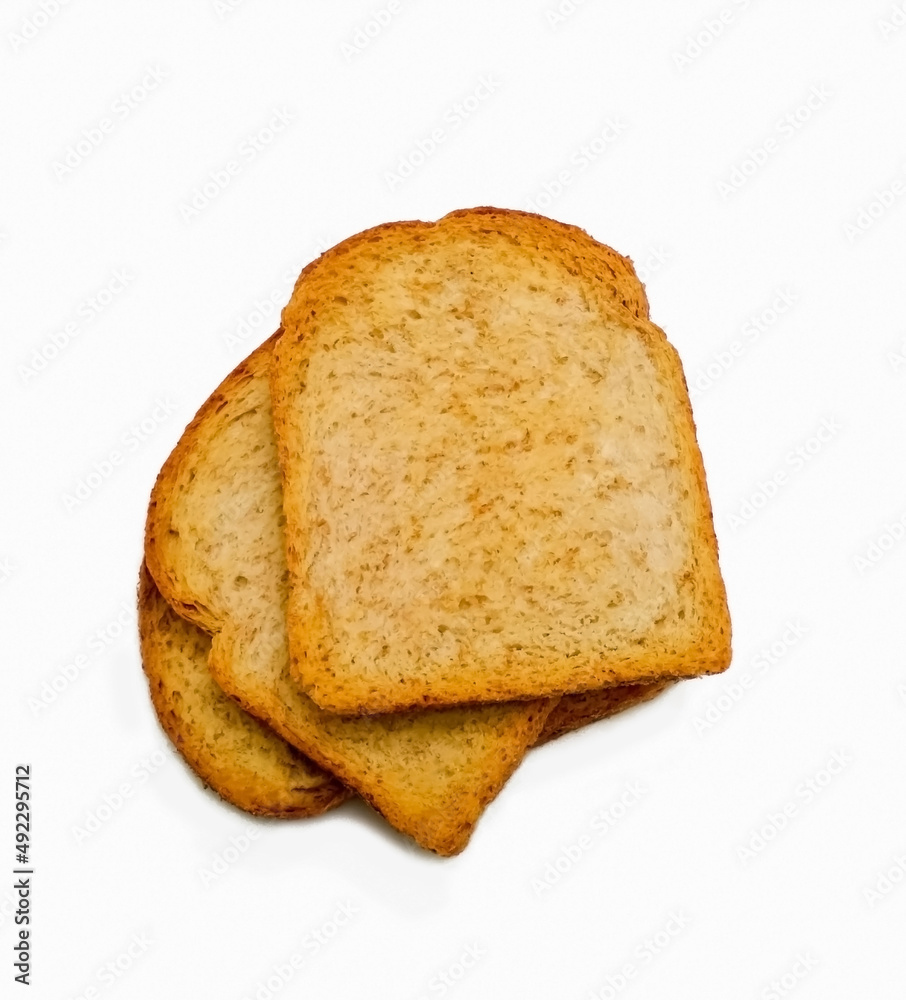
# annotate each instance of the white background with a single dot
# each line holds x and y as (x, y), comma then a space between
(725, 203)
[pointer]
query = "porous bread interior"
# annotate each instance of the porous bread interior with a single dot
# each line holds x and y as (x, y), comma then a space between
(492, 484)
(215, 548)
(243, 760)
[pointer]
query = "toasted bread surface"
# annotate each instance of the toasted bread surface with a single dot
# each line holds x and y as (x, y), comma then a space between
(244, 761)
(214, 545)
(492, 485)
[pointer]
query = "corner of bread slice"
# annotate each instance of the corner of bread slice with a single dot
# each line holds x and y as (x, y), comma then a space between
(430, 774)
(490, 743)
(247, 764)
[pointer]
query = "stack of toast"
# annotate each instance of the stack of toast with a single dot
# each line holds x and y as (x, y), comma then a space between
(454, 507)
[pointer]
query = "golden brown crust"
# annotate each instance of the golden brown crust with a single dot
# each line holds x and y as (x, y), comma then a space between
(171, 583)
(242, 760)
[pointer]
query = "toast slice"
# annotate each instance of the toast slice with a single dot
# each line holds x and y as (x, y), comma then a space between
(215, 548)
(246, 763)
(492, 485)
